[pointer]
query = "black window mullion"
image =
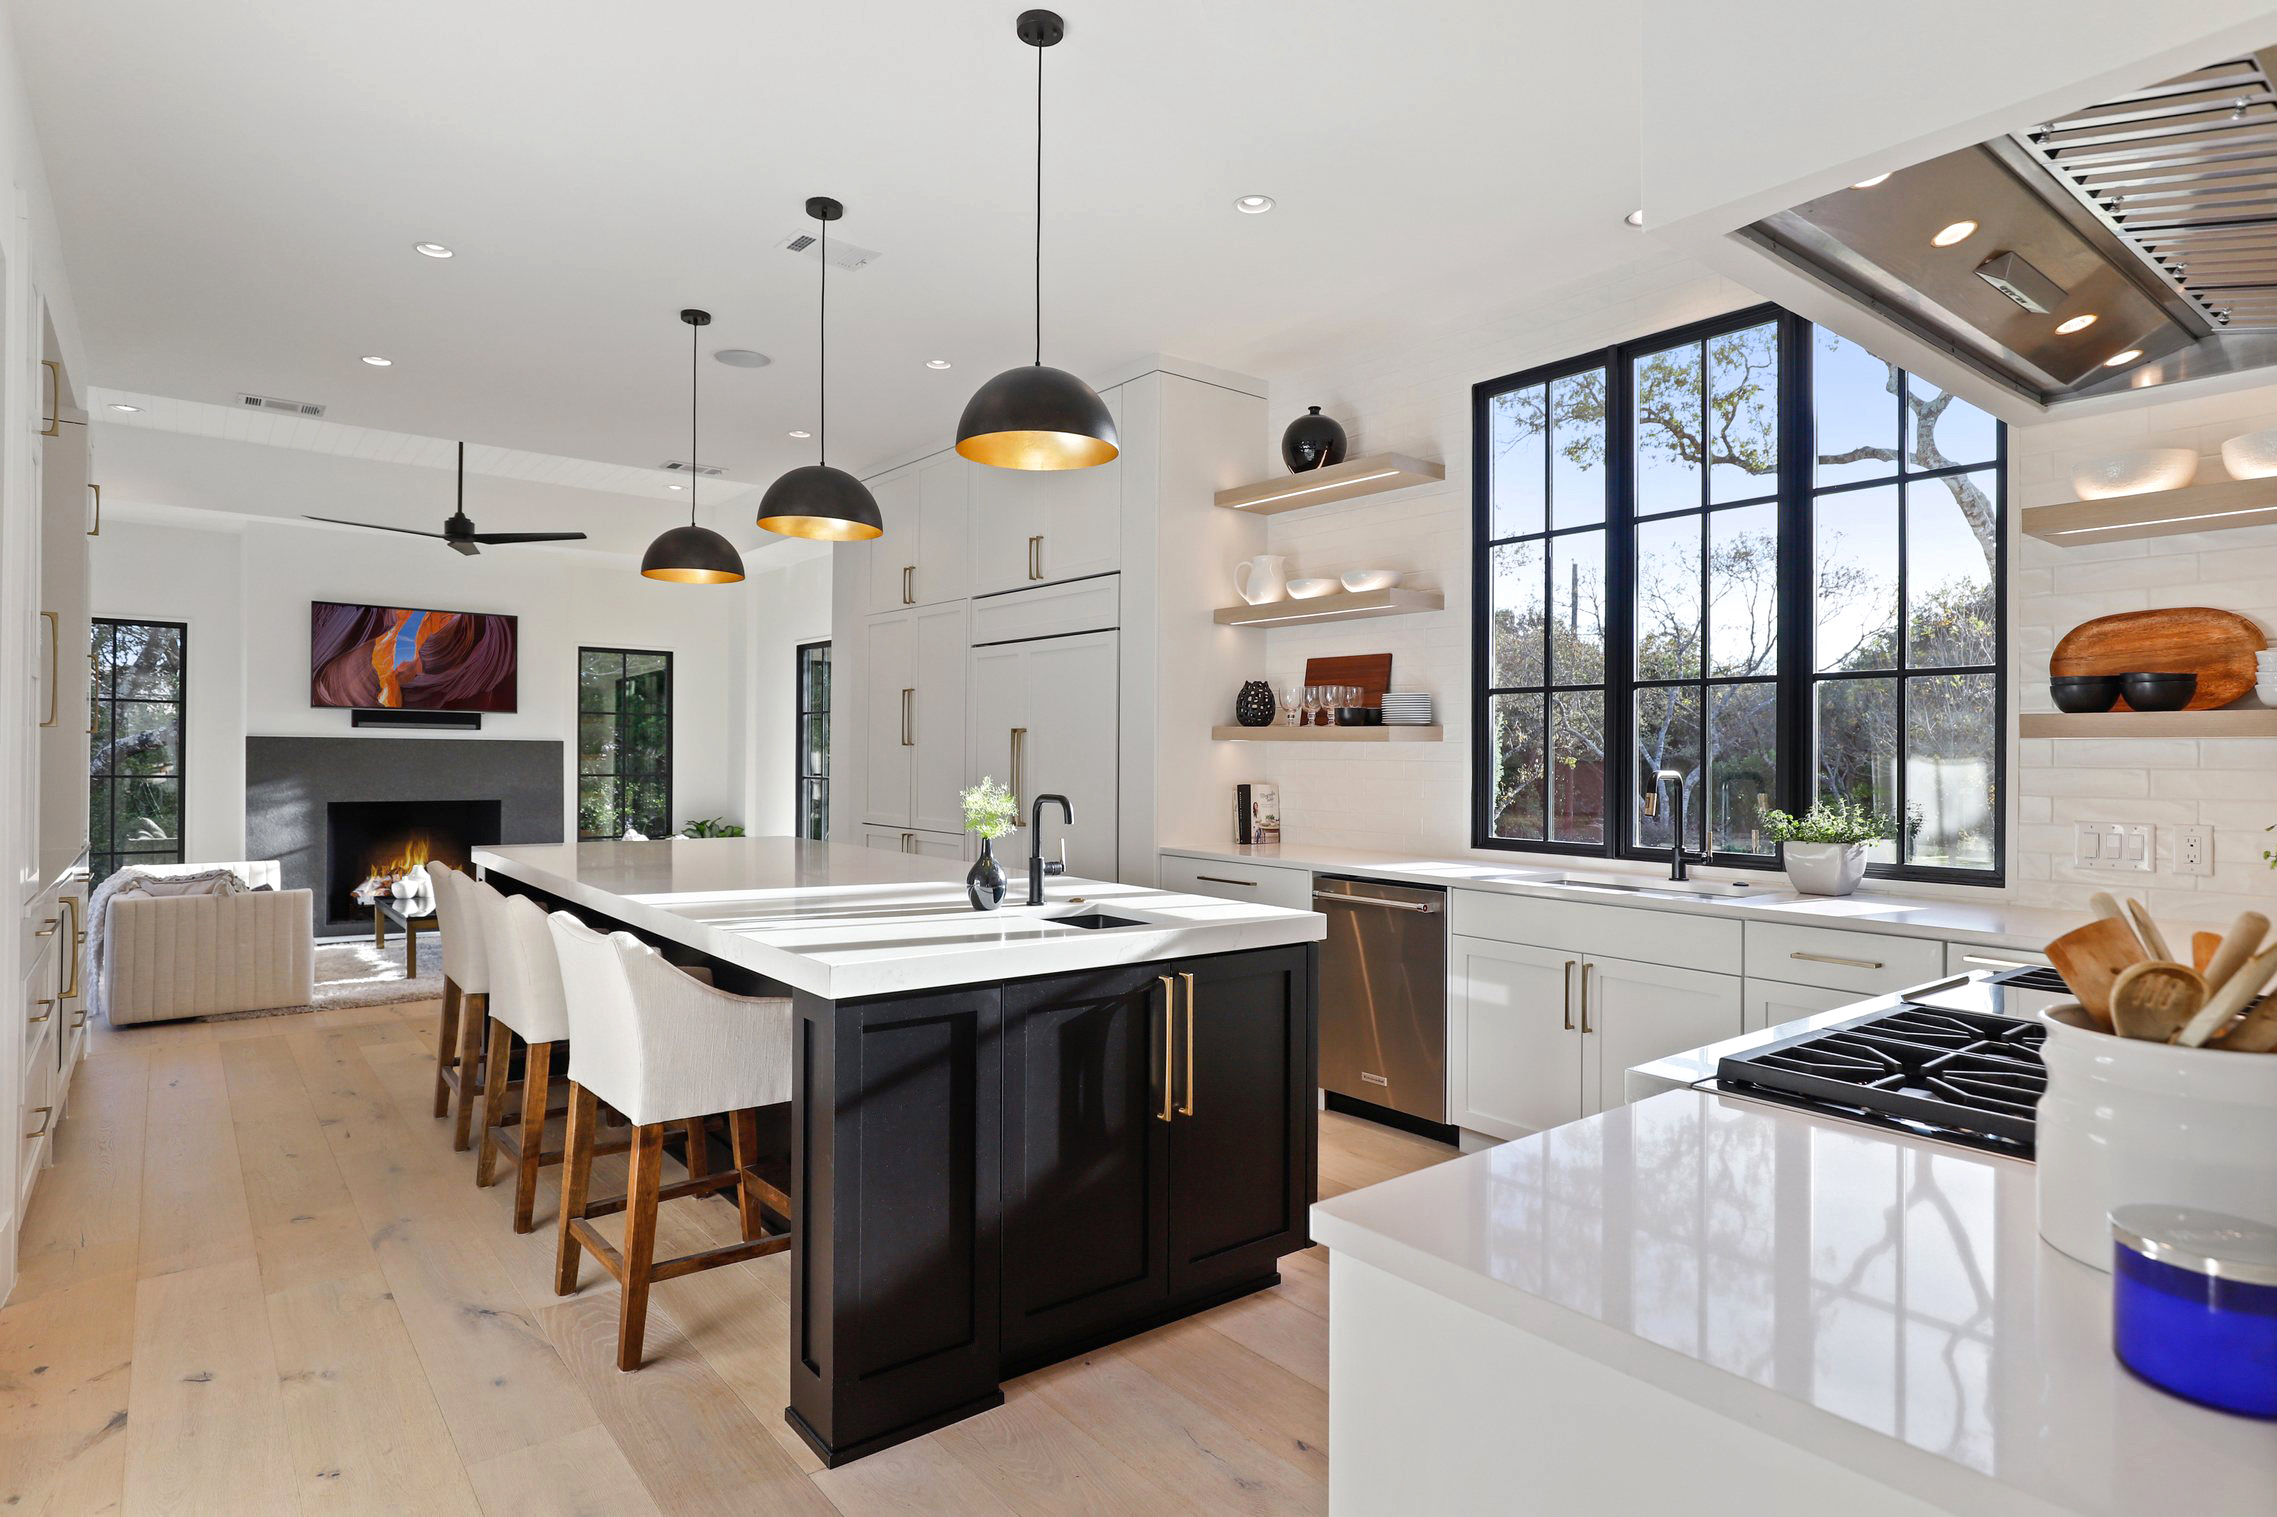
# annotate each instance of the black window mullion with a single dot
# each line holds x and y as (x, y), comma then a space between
(1620, 603)
(1798, 568)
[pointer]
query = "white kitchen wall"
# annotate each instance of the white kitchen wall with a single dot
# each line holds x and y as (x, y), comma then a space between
(2229, 784)
(789, 605)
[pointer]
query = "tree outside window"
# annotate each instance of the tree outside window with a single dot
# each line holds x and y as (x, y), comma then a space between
(624, 743)
(137, 716)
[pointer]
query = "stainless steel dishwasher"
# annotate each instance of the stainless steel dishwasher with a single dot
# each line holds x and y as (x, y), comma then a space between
(1383, 999)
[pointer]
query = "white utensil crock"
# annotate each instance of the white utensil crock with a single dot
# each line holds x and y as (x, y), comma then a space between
(1824, 868)
(2127, 1120)
(1262, 579)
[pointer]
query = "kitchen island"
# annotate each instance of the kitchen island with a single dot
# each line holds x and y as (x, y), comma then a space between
(1014, 1135)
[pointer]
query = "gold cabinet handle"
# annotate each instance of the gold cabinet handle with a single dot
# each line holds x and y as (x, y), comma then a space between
(54, 426)
(1569, 993)
(70, 903)
(1830, 958)
(1169, 1022)
(47, 1015)
(48, 931)
(1036, 556)
(54, 666)
(1186, 1109)
(907, 694)
(1586, 1029)
(97, 529)
(79, 1020)
(1019, 763)
(908, 592)
(47, 1116)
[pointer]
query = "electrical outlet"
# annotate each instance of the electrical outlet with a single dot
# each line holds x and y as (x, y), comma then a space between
(2130, 847)
(2194, 850)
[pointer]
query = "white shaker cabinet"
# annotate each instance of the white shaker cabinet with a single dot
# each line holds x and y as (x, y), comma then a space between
(914, 734)
(931, 845)
(1040, 526)
(1634, 1013)
(1044, 719)
(921, 559)
(1770, 1003)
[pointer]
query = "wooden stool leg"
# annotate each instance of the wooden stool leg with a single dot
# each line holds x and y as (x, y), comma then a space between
(446, 1046)
(576, 1181)
(537, 1074)
(640, 1242)
(699, 1157)
(493, 1098)
(743, 1138)
(474, 1016)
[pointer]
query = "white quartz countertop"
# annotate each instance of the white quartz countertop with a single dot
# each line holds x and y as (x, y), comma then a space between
(1877, 1300)
(1990, 923)
(843, 922)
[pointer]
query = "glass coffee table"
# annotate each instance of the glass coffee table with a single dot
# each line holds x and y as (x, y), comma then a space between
(414, 916)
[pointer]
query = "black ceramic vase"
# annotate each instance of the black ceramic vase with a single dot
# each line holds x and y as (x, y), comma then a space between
(1254, 706)
(985, 882)
(1313, 441)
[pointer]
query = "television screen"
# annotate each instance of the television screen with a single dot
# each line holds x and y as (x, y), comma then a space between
(410, 659)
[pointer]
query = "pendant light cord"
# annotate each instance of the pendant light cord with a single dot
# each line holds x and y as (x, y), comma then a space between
(1039, 207)
(694, 473)
(822, 342)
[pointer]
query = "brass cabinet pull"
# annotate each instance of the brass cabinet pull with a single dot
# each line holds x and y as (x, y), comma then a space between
(1569, 993)
(1036, 556)
(1219, 879)
(70, 903)
(1186, 1109)
(48, 931)
(908, 692)
(49, 1003)
(47, 1116)
(54, 427)
(97, 529)
(908, 842)
(80, 1020)
(1019, 763)
(1829, 958)
(54, 666)
(1169, 1023)
(908, 594)
(1586, 1029)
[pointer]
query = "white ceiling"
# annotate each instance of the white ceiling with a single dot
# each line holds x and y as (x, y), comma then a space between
(240, 184)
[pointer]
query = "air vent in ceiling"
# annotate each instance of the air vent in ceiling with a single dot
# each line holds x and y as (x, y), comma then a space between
(682, 466)
(272, 403)
(843, 255)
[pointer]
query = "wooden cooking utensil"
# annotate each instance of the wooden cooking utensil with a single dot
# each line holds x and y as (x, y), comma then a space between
(2106, 906)
(2156, 1000)
(2091, 957)
(2217, 646)
(2256, 1031)
(2154, 941)
(2235, 947)
(2202, 947)
(2231, 999)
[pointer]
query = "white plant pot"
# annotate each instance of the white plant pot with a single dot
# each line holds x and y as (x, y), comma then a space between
(2127, 1120)
(1824, 868)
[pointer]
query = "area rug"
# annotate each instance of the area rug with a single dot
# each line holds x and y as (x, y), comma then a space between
(353, 972)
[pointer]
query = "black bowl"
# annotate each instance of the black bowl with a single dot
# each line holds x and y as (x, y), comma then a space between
(2158, 692)
(2078, 693)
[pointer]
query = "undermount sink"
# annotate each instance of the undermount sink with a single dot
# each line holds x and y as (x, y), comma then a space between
(1094, 920)
(1672, 890)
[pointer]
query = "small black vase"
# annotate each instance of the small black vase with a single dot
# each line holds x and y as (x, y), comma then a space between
(1254, 706)
(985, 881)
(1313, 441)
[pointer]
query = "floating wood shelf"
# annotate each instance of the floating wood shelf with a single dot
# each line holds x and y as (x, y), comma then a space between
(1278, 733)
(2162, 513)
(2229, 722)
(1371, 475)
(1331, 608)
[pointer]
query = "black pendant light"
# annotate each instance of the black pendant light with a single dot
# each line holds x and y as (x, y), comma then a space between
(815, 500)
(692, 555)
(1038, 417)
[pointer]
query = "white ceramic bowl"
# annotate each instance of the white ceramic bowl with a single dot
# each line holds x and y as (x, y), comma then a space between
(2128, 1120)
(1307, 589)
(1356, 580)
(2252, 456)
(2136, 473)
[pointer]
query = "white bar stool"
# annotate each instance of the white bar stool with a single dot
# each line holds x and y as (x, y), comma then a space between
(466, 994)
(657, 1044)
(525, 1002)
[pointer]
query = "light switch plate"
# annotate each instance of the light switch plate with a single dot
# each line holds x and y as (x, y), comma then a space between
(2194, 850)
(2125, 847)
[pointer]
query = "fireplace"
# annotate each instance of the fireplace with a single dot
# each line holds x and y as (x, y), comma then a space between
(364, 838)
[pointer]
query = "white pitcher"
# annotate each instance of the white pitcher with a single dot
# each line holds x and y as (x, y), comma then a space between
(1261, 579)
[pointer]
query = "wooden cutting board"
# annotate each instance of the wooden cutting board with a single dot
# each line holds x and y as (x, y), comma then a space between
(1372, 673)
(2217, 646)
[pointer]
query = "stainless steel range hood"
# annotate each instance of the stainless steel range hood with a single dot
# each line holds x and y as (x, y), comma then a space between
(2155, 214)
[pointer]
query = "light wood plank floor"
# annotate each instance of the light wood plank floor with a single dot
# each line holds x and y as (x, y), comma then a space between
(259, 1281)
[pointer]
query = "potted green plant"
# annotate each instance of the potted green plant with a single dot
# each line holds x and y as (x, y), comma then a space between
(711, 827)
(1824, 849)
(991, 812)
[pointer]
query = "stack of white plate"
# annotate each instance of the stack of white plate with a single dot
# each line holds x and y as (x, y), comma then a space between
(1413, 708)
(2264, 675)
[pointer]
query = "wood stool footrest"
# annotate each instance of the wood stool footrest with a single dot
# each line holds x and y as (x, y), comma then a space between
(713, 1258)
(704, 1186)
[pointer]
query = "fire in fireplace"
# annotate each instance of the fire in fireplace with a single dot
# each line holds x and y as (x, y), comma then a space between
(377, 840)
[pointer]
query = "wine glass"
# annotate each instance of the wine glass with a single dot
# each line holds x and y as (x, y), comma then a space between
(1312, 706)
(1292, 704)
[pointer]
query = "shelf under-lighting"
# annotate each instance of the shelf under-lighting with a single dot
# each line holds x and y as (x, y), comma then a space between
(1279, 733)
(2226, 722)
(2159, 513)
(1353, 606)
(1371, 475)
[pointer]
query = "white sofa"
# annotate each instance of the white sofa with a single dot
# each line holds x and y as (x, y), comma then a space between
(166, 957)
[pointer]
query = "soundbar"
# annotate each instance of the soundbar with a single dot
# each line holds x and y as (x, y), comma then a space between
(456, 721)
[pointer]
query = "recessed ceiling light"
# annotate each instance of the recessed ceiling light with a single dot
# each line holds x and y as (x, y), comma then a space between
(936, 363)
(800, 432)
(378, 362)
(743, 358)
(2116, 359)
(1869, 181)
(1253, 205)
(1634, 218)
(2076, 324)
(120, 405)
(1959, 231)
(431, 249)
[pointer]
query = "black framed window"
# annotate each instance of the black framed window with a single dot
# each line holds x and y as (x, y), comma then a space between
(140, 707)
(624, 743)
(1751, 554)
(811, 729)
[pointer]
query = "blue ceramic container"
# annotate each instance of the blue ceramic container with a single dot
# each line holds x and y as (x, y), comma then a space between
(2194, 1305)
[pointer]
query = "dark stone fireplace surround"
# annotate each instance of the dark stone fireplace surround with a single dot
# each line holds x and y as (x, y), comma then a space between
(290, 781)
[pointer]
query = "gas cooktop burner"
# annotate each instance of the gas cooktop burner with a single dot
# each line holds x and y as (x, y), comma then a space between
(1955, 1075)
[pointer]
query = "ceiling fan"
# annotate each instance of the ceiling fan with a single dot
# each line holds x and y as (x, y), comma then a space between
(458, 527)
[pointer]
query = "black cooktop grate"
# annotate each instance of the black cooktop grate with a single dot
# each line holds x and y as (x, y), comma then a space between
(1961, 1076)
